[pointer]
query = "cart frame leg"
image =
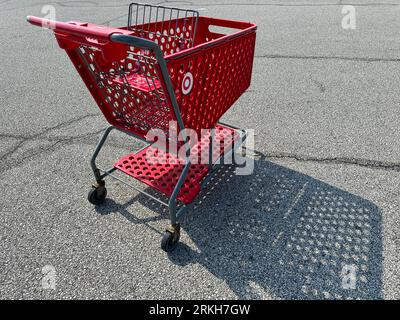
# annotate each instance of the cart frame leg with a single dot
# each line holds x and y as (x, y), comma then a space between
(99, 146)
(172, 202)
(173, 199)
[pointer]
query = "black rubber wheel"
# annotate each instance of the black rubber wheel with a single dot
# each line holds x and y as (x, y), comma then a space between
(97, 195)
(170, 240)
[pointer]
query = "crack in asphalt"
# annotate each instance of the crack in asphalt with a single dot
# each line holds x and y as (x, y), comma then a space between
(26, 138)
(36, 151)
(301, 57)
(33, 152)
(371, 164)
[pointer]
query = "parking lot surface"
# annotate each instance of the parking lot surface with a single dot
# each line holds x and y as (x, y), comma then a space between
(323, 199)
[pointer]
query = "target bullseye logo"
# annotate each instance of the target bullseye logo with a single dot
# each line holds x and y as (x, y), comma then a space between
(187, 83)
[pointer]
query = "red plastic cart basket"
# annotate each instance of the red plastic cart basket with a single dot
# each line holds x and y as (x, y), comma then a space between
(168, 73)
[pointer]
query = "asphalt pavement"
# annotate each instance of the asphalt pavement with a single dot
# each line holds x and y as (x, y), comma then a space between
(319, 218)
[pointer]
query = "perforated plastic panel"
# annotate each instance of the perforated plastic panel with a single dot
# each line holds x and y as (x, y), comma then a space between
(219, 76)
(130, 90)
(161, 170)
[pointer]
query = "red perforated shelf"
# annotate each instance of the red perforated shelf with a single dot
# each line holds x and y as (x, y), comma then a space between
(161, 170)
(139, 82)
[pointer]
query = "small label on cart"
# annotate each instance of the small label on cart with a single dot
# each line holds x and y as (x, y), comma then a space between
(187, 83)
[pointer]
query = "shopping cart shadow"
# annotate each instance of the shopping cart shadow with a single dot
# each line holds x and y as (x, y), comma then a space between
(280, 233)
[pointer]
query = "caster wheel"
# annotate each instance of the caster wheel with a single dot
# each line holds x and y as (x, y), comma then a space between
(97, 195)
(171, 238)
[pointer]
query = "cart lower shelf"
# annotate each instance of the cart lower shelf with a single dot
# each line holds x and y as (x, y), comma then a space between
(161, 170)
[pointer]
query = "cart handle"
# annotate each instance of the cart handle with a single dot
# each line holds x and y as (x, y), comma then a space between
(81, 30)
(136, 42)
(85, 30)
(72, 34)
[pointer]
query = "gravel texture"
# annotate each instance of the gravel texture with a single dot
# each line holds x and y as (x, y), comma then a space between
(324, 195)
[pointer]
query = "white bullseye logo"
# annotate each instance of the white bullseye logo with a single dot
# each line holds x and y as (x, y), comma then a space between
(187, 83)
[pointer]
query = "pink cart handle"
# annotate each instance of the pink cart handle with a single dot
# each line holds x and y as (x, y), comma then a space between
(75, 28)
(72, 34)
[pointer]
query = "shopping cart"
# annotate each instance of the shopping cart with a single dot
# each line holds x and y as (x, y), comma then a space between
(170, 73)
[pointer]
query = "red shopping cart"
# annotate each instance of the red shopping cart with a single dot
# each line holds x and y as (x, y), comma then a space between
(170, 72)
